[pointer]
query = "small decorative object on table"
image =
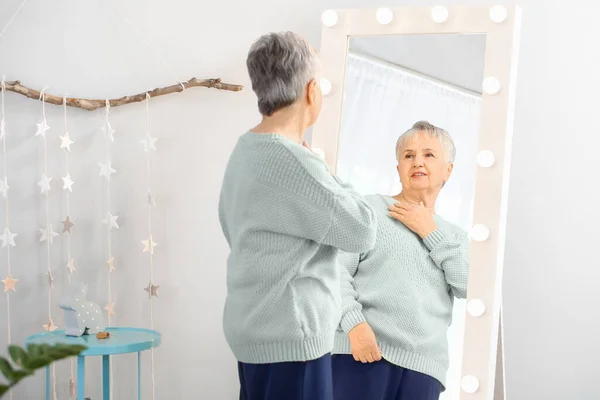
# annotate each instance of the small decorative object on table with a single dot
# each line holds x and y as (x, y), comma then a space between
(81, 316)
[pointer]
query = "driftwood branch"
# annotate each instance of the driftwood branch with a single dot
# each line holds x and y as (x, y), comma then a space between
(90, 105)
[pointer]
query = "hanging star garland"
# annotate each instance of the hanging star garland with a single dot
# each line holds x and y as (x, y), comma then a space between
(67, 225)
(106, 170)
(44, 183)
(149, 245)
(8, 238)
(110, 309)
(68, 183)
(47, 234)
(4, 187)
(111, 221)
(111, 264)
(66, 142)
(50, 327)
(42, 128)
(152, 290)
(149, 143)
(9, 283)
(71, 266)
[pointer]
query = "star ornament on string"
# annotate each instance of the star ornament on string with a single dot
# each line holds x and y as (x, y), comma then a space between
(4, 187)
(71, 266)
(151, 199)
(110, 309)
(68, 183)
(66, 142)
(149, 143)
(106, 170)
(50, 279)
(111, 221)
(50, 327)
(67, 225)
(8, 238)
(44, 183)
(111, 264)
(9, 283)
(47, 234)
(149, 245)
(42, 128)
(152, 290)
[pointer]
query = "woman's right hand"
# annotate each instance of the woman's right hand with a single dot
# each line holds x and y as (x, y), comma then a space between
(364, 344)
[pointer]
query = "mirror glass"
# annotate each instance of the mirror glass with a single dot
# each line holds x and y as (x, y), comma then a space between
(391, 83)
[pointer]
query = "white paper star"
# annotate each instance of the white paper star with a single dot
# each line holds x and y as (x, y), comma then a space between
(9, 283)
(71, 266)
(152, 290)
(50, 327)
(110, 309)
(111, 264)
(108, 130)
(67, 224)
(72, 388)
(45, 183)
(106, 170)
(66, 142)
(47, 234)
(42, 127)
(68, 182)
(149, 245)
(149, 143)
(4, 187)
(111, 221)
(2, 129)
(8, 238)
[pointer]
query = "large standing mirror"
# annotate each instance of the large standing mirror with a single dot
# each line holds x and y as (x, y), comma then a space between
(392, 82)
(450, 70)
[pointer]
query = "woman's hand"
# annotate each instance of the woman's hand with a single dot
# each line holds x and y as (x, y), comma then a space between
(417, 218)
(364, 344)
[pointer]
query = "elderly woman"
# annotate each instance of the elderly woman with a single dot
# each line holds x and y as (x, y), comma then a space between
(284, 217)
(397, 298)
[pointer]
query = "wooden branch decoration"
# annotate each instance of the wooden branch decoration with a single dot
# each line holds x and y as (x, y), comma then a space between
(91, 105)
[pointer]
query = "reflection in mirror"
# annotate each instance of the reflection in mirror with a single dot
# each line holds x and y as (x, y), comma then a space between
(415, 284)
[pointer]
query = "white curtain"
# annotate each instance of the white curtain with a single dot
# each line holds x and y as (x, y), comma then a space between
(381, 102)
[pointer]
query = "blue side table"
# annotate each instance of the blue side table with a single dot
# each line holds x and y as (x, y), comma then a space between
(121, 341)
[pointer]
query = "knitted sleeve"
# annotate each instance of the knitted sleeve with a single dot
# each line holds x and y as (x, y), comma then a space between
(351, 309)
(307, 201)
(450, 252)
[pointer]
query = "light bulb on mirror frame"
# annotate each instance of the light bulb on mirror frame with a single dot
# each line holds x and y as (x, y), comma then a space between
(469, 384)
(325, 86)
(479, 233)
(491, 85)
(384, 15)
(329, 18)
(498, 13)
(439, 14)
(485, 158)
(476, 307)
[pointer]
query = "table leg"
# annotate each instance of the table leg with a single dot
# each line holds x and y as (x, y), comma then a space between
(48, 383)
(105, 377)
(80, 378)
(139, 375)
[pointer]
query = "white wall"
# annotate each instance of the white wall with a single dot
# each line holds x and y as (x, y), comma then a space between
(551, 274)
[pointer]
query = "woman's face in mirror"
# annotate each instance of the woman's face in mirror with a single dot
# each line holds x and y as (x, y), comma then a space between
(423, 164)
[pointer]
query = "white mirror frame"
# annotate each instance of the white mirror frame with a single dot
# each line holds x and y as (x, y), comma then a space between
(482, 363)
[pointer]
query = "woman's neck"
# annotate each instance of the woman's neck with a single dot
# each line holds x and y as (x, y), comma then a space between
(428, 199)
(287, 122)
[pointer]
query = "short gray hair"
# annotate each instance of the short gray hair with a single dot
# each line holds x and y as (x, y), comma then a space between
(280, 66)
(429, 129)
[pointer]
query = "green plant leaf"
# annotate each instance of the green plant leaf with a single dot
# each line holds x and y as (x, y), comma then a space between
(18, 355)
(7, 369)
(3, 389)
(34, 350)
(39, 362)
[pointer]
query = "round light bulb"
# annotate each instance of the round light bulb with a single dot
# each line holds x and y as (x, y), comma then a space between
(498, 13)
(319, 152)
(439, 14)
(476, 307)
(329, 18)
(480, 233)
(485, 158)
(325, 86)
(491, 85)
(384, 15)
(469, 384)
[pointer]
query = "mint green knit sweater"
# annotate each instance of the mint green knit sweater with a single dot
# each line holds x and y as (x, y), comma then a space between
(404, 289)
(285, 217)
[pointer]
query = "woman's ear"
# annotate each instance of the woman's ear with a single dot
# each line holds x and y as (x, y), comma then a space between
(311, 92)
